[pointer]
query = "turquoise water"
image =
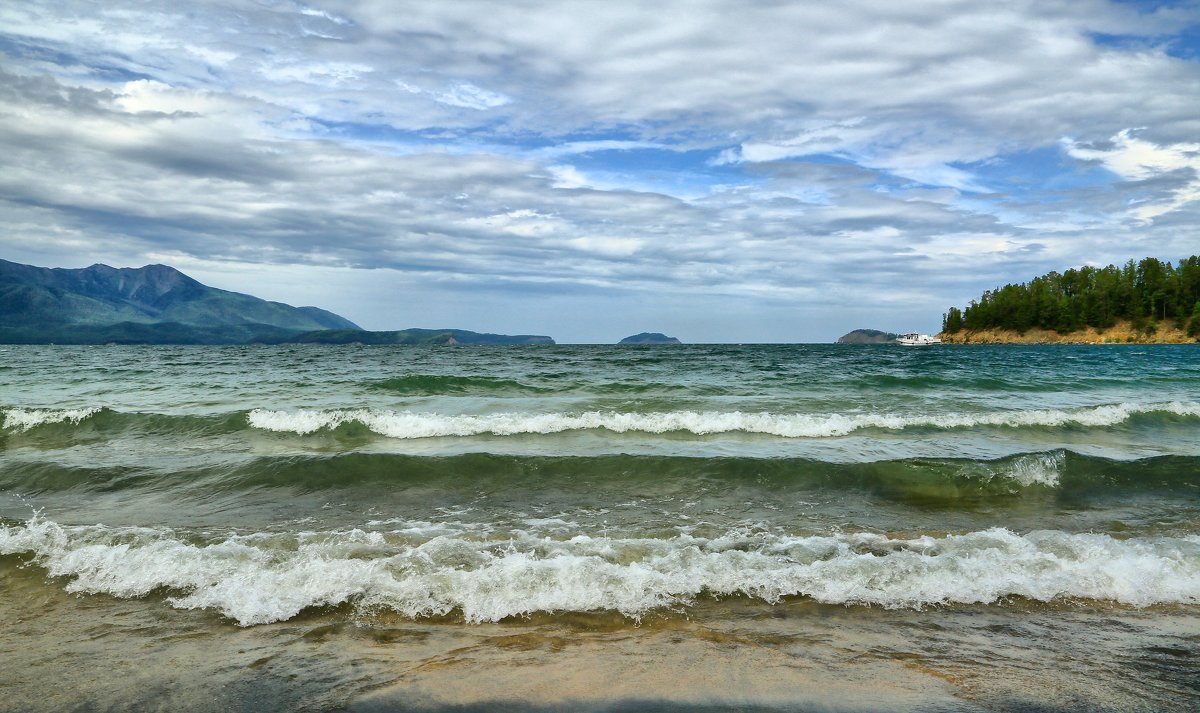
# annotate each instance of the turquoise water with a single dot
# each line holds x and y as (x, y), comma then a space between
(640, 488)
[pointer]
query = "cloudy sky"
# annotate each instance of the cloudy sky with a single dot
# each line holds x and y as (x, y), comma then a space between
(716, 170)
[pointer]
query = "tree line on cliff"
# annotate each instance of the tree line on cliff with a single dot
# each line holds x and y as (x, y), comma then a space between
(1145, 293)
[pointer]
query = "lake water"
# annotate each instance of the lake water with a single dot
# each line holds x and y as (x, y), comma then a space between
(758, 527)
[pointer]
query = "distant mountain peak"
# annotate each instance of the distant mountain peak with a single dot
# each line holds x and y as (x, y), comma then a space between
(45, 300)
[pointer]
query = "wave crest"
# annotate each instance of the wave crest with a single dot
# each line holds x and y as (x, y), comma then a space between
(445, 384)
(22, 419)
(407, 424)
(263, 578)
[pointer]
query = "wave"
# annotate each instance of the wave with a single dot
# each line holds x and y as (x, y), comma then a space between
(268, 577)
(1011, 381)
(407, 424)
(21, 419)
(928, 382)
(448, 385)
(934, 482)
(451, 385)
(95, 422)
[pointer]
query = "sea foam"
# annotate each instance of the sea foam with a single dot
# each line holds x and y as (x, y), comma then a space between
(406, 424)
(1036, 469)
(21, 419)
(263, 578)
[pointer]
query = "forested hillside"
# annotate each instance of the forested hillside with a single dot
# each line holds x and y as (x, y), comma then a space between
(155, 304)
(1143, 293)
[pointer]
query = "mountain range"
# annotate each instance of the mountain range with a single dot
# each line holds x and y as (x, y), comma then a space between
(158, 304)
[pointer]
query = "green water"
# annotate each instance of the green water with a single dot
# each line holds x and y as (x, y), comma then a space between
(638, 490)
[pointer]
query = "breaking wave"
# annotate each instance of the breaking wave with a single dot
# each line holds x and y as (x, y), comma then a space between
(412, 424)
(267, 577)
(407, 424)
(22, 419)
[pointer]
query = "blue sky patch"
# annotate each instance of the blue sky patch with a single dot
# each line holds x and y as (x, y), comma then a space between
(1029, 174)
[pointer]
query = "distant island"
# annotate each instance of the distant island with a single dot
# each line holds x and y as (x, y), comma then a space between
(448, 337)
(868, 336)
(158, 304)
(650, 338)
(1146, 302)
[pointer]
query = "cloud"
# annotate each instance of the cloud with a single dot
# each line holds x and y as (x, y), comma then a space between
(460, 94)
(1135, 159)
(469, 96)
(773, 156)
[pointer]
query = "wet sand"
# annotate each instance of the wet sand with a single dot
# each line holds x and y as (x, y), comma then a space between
(816, 658)
(686, 668)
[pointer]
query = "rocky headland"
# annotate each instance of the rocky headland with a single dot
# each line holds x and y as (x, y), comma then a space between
(1120, 333)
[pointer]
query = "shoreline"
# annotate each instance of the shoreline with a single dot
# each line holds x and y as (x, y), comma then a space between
(1120, 333)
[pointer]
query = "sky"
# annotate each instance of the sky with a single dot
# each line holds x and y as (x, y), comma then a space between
(721, 171)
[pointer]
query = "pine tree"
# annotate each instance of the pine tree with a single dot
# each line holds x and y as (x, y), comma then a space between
(952, 321)
(1145, 293)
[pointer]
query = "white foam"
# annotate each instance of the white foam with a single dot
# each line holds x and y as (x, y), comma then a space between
(1037, 469)
(20, 419)
(406, 424)
(272, 577)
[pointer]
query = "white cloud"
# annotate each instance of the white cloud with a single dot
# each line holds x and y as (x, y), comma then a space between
(525, 223)
(469, 96)
(459, 94)
(325, 74)
(496, 148)
(584, 147)
(569, 177)
(314, 12)
(607, 245)
(1136, 159)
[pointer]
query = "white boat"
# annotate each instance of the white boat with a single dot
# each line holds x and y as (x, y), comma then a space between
(915, 339)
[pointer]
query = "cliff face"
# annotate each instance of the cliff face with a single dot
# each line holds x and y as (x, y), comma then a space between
(1121, 333)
